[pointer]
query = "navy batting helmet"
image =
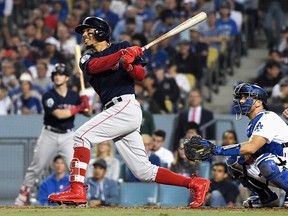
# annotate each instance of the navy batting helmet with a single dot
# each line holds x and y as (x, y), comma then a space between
(102, 30)
(59, 68)
(253, 92)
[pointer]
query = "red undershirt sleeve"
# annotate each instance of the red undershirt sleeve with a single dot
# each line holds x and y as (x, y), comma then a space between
(101, 64)
(138, 72)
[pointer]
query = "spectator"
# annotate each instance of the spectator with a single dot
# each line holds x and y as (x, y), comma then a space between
(275, 55)
(153, 158)
(25, 102)
(143, 9)
(197, 46)
(147, 28)
(195, 113)
(230, 33)
(279, 102)
(283, 45)
(170, 90)
(130, 26)
(165, 155)
(104, 151)
(156, 57)
(121, 26)
(155, 94)
(5, 101)
(212, 36)
(180, 78)
(60, 9)
(49, 19)
(36, 45)
(42, 81)
(273, 21)
(223, 190)
(52, 47)
(166, 23)
(181, 164)
(105, 12)
(147, 125)
(25, 55)
(101, 191)
(229, 137)
(270, 77)
(8, 73)
(188, 62)
(67, 41)
(42, 59)
(55, 183)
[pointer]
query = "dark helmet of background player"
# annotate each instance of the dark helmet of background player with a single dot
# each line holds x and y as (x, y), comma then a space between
(59, 68)
(102, 30)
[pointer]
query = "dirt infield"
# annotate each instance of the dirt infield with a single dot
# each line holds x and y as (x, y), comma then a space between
(72, 211)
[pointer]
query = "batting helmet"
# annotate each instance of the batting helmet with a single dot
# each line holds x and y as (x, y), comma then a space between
(59, 68)
(102, 30)
(253, 92)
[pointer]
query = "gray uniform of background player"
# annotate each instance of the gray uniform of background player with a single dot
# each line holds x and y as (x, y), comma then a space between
(56, 138)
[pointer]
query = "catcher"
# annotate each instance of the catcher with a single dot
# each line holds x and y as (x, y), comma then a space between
(261, 159)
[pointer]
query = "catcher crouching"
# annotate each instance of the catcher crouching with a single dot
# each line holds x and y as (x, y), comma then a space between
(259, 162)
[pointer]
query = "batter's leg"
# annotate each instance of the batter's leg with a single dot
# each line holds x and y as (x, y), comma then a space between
(44, 151)
(132, 150)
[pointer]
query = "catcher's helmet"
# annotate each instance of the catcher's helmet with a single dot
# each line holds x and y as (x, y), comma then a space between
(253, 92)
(59, 68)
(102, 30)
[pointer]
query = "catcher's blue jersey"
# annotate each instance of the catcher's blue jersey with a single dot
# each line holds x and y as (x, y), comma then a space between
(270, 126)
(113, 82)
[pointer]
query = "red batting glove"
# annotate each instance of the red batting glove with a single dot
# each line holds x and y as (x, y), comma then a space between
(85, 102)
(130, 53)
(77, 109)
(134, 51)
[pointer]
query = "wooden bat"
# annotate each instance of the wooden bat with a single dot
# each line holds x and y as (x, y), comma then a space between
(81, 76)
(181, 27)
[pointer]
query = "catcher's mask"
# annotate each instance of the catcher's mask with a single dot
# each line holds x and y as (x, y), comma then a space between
(253, 93)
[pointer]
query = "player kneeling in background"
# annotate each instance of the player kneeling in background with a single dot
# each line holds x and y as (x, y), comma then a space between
(60, 105)
(262, 160)
(111, 69)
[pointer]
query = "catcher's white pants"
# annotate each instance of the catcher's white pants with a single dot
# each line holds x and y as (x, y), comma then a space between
(48, 145)
(120, 123)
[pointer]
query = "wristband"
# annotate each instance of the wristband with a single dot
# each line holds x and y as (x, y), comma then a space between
(231, 150)
(74, 110)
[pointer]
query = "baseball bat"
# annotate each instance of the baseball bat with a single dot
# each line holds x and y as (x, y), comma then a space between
(81, 76)
(181, 27)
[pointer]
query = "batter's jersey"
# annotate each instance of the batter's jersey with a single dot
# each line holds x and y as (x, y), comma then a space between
(111, 83)
(51, 101)
(269, 125)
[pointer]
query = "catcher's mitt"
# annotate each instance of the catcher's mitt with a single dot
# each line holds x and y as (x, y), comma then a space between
(198, 149)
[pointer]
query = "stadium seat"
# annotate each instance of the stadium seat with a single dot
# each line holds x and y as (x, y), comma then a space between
(191, 78)
(138, 194)
(173, 196)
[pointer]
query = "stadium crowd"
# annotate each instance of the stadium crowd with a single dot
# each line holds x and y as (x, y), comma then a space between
(38, 34)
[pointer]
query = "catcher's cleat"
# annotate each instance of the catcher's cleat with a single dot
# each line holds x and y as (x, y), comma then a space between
(22, 198)
(286, 201)
(256, 202)
(199, 188)
(76, 195)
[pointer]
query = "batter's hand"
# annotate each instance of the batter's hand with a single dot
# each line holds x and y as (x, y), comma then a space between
(285, 113)
(130, 54)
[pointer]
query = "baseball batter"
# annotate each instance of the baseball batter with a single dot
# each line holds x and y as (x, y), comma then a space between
(265, 155)
(60, 105)
(111, 69)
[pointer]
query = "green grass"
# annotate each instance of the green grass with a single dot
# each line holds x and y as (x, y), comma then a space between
(71, 211)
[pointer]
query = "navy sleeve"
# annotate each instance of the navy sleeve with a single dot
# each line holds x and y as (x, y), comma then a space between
(49, 104)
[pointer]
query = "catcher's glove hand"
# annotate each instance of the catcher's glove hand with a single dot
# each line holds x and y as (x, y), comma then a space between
(198, 149)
